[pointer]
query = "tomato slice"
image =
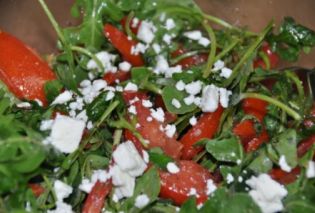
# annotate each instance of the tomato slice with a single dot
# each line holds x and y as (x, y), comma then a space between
(285, 177)
(189, 61)
(22, 70)
(37, 189)
(256, 142)
(272, 56)
(255, 107)
(245, 130)
(111, 78)
(133, 28)
(96, 199)
(305, 145)
(177, 186)
(121, 42)
(206, 127)
(150, 130)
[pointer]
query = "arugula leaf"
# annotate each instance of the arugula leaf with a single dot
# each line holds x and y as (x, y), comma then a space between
(189, 206)
(98, 106)
(291, 39)
(158, 158)
(285, 144)
(226, 150)
(262, 163)
(52, 90)
(169, 93)
(148, 184)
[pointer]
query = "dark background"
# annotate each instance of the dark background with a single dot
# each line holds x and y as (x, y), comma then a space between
(26, 20)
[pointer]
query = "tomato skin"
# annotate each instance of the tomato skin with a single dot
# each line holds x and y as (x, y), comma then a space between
(305, 145)
(96, 198)
(189, 61)
(255, 107)
(206, 127)
(121, 42)
(256, 142)
(245, 130)
(177, 186)
(111, 78)
(22, 70)
(37, 189)
(150, 130)
(272, 56)
(283, 177)
(133, 28)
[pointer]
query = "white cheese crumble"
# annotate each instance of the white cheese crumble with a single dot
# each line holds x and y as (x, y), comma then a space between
(211, 96)
(180, 85)
(124, 66)
(169, 24)
(158, 114)
(310, 172)
(63, 98)
(141, 201)
(189, 100)
(46, 125)
(139, 48)
(211, 187)
(128, 166)
(283, 164)
(23, 105)
(193, 88)
(193, 35)
(131, 87)
(106, 59)
(132, 109)
(66, 133)
(204, 42)
(193, 121)
(62, 191)
(170, 130)
(224, 97)
(267, 193)
(218, 65)
(229, 178)
(226, 72)
(146, 32)
(157, 48)
(172, 168)
(110, 95)
(147, 103)
(135, 22)
(176, 103)
(167, 39)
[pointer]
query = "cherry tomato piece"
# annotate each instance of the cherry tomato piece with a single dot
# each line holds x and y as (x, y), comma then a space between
(111, 78)
(177, 186)
(285, 177)
(121, 42)
(37, 189)
(134, 26)
(272, 56)
(305, 145)
(95, 201)
(22, 70)
(255, 107)
(206, 127)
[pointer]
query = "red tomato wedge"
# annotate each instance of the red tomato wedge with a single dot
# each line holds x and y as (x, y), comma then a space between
(96, 199)
(177, 186)
(133, 27)
(121, 42)
(256, 142)
(189, 61)
(22, 70)
(206, 127)
(37, 189)
(150, 130)
(255, 107)
(285, 177)
(305, 145)
(272, 56)
(110, 77)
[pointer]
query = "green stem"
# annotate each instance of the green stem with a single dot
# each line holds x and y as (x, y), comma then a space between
(227, 49)
(127, 25)
(249, 52)
(152, 88)
(298, 83)
(265, 58)
(174, 61)
(117, 136)
(213, 48)
(88, 53)
(273, 101)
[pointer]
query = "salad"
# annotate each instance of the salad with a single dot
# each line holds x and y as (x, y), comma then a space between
(155, 106)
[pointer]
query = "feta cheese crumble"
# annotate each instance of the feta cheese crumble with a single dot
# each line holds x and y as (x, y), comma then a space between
(146, 32)
(131, 87)
(211, 187)
(193, 35)
(267, 193)
(310, 172)
(66, 133)
(141, 201)
(63, 98)
(124, 66)
(283, 164)
(211, 96)
(169, 24)
(193, 88)
(176, 103)
(172, 168)
(170, 130)
(193, 121)
(158, 114)
(62, 191)
(106, 59)
(180, 85)
(229, 178)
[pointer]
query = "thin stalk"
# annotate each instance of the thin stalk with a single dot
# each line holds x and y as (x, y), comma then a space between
(213, 48)
(273, 101)
(298, 83)
(117, 136)
(248, 54)
(88, 53)
(174, 61)
(227, 49)
(127, 25)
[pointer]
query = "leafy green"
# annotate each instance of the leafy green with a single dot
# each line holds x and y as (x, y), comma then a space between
(226, 150)
(189, 206)
(158, 158)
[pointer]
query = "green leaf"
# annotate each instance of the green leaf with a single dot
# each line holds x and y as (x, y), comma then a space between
(189, 206)
(169, 93)
(98, 106)
(262, 163)
(140, 75)
(285, 144)
(226, 150)
(52, 90)
(148, 184)
(159, 158)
